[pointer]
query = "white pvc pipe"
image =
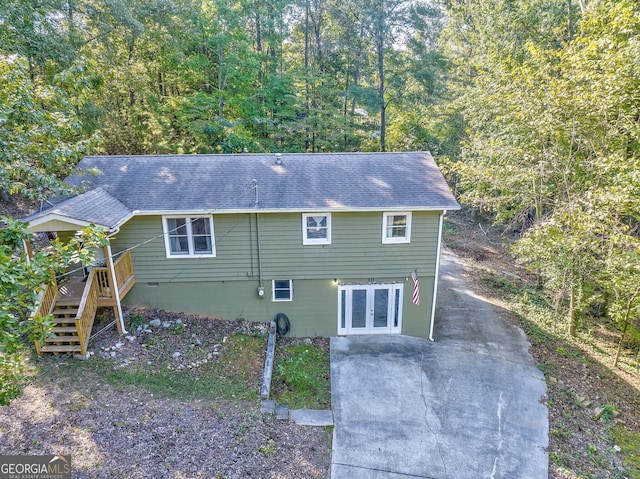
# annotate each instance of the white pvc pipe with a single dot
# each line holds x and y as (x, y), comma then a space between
(435, 279)
(116, 289)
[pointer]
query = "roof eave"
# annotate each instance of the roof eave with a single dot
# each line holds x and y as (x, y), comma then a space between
(210, 211)
(37, 225)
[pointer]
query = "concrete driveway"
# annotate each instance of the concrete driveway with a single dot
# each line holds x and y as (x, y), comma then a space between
(465, 406)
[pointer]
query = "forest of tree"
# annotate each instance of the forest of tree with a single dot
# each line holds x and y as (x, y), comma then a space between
(531, 107)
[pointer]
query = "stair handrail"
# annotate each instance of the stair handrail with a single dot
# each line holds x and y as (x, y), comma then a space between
(46, 303)
(87, 312)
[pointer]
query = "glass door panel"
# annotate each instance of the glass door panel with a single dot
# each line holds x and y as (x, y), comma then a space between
(381, 308)
(359, 308)
(370, 308)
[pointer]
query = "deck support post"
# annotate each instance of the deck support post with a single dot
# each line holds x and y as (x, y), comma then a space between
(115, 290)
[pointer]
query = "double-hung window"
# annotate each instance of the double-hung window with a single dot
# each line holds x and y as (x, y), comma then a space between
(316, 228)
(188, 236)
(396, 227)
(282, 289)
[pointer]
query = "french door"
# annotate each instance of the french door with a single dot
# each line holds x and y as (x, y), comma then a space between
(370, 308)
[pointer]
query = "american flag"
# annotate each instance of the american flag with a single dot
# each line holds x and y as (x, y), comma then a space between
(416, 287)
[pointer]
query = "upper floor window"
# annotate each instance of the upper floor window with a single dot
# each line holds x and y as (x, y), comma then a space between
(316, 228)
(396, 227)
(190, 236)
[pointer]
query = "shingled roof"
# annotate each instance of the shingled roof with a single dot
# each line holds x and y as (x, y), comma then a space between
(96, 206)
(289, 182)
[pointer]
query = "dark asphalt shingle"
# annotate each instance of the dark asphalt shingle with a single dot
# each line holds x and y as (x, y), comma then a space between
(223, 183)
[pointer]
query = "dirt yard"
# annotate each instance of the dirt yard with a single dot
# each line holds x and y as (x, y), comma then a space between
(176, 398)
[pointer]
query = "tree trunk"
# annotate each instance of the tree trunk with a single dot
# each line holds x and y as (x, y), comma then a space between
(256, 9)
(383, 105)
(627, 315)
(572, 313)
(306, 76)
(356, 70)
(221, 82)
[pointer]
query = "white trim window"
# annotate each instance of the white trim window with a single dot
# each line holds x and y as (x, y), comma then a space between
(188, 236)
(282, 289)
(396, 227)
(316, 228)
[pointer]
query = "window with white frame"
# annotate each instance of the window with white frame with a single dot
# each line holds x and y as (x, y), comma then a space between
(188, 236)
(282, 289)
(396, 227)
(316, 228)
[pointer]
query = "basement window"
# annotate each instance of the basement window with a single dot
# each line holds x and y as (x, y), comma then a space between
(282, 289)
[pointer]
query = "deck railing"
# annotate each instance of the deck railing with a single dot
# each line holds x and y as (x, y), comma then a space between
(87, 312)
(46, 304)
(48, 298)
(123, 268)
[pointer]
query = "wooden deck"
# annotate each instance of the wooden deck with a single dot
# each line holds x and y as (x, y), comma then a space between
(72, 288)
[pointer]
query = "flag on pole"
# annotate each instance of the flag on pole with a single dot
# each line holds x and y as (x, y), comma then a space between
(416, 287)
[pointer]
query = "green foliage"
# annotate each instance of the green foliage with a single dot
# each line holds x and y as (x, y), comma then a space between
(553, 142)
(15, 370)
(269, 448)
(180, 76)
(304, 369)
(41, 138)
(630, 444)
(135, 320)
(22, 280)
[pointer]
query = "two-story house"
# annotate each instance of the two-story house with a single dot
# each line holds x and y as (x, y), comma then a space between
(335, 241)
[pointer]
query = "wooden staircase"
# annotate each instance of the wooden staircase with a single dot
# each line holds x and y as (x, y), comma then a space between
(66, 338)
(73, 309)
(72, 319)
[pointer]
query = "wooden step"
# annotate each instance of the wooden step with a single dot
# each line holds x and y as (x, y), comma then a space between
(71, 320)
(64, 329)
(64, 311)
(73, 303)
(48, 348)
(62, 339)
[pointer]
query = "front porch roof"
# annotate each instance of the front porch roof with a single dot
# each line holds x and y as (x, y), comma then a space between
(97, 207)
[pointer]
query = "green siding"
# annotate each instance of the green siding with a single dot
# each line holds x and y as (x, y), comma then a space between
(415, 318)
(356, 249)
(235, 251)
(313, 311)
(226, 286)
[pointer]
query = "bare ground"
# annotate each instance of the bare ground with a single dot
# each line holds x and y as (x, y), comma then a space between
(115, 428)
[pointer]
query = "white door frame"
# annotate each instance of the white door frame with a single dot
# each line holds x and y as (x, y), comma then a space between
(393, 314)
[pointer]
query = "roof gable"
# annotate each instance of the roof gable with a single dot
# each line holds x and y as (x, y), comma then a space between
(96, 207)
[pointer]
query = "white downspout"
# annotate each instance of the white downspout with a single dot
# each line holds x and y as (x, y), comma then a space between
(116, 288)
(435, 279)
